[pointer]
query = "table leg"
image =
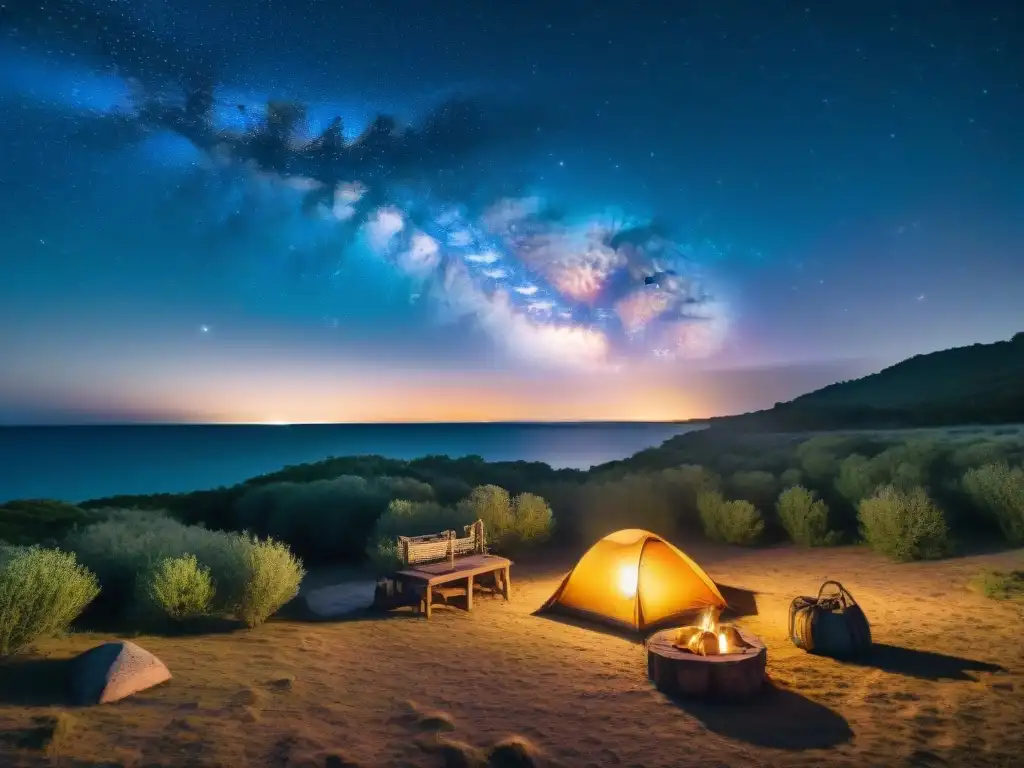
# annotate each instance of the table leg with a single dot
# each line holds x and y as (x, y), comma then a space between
(428, 598)
(507, 590)
(469, 593)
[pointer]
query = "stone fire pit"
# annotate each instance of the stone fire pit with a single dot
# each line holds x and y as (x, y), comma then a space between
(726, 664)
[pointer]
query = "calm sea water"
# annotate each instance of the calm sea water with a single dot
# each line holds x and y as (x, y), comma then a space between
(78, 463)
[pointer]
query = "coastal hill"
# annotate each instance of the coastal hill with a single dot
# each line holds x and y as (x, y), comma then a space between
(979, 384)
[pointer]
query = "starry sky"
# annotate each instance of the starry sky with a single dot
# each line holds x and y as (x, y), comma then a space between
(581, 210)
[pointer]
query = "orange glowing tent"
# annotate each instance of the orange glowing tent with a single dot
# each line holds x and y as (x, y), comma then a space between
(635, 579)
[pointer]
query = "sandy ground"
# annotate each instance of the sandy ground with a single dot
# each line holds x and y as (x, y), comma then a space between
(946, 686)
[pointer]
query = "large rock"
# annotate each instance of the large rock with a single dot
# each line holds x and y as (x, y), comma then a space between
(112, 671)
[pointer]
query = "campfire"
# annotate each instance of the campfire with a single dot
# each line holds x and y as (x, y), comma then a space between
(707, 660)
(709, 638)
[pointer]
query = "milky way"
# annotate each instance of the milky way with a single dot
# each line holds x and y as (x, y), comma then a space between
(565, 288)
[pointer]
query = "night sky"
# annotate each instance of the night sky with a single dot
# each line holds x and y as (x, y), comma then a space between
(586, 210)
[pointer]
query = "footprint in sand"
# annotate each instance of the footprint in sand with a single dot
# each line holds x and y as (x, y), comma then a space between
(905, 696)
(411, 715)
(247, 704)
(281, 684)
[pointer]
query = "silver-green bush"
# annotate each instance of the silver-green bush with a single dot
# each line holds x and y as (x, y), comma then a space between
(508, 521)
(41, 592)
(251, 578)
(734, 522)
(904, 524)
(130, 543)
(805, 518)
(272, 578)
(859, 477)
(998, 490)
(178, 588)
(493, 505)
(532, 518)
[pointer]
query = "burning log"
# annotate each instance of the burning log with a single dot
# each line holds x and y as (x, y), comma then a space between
(703, 643)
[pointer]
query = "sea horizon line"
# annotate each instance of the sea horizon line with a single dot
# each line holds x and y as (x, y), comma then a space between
(477, 422)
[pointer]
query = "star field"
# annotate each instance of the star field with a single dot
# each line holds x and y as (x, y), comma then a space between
(830, 189)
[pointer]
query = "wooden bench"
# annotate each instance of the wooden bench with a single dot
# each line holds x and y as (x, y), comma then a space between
(429, 563)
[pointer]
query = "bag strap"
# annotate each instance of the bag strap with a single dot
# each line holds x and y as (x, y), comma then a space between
(844, 593)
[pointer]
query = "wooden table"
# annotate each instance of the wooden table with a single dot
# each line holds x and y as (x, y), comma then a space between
(422, 579)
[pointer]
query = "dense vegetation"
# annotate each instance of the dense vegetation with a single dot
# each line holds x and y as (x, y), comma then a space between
(141, 569)
(740, 488)
(979, 384)
(169, 560)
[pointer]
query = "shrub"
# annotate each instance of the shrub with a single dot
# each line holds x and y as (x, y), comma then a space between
(791, 477)
(759, 488)
(41, 592)
(384, 557)
(26, 522)
(904, 525)
(805, 518)
(508, 521)
(251, 578)
(128, 545)
(324, 519)
(1000, 585)
(272, 578)
(909, 464)
(657, 501)
(680, 487)
(734, 522)
(449, 490)
(531, 519)
(819, 456)
(978, 454)
(178, 588)
(859, 477)
(493, 505)
(998, 490)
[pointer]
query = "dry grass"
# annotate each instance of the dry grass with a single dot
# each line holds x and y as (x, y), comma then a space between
(502, 687)
(1000, 585)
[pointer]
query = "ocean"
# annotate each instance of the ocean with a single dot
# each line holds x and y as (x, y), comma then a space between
(76, 463)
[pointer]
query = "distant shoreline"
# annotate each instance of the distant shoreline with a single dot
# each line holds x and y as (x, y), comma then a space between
(86, 461)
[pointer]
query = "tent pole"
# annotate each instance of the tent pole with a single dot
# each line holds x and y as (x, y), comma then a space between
(638, 611)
